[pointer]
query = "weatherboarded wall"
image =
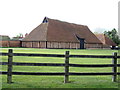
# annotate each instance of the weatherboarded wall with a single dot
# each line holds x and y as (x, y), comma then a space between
(45, 44)
(93, 46)
(10, 44)
(34, 44)
(62, 45)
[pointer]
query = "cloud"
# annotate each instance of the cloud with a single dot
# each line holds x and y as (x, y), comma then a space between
(100, 30)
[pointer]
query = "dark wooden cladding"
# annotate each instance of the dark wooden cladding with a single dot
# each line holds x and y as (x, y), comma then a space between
(57, 73)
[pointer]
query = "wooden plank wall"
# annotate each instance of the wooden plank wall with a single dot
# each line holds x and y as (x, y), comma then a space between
(34, 44)
(62, 45)
(44, 44)
(93, 46)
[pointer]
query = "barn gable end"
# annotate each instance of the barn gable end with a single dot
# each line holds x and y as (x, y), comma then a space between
(107, 42)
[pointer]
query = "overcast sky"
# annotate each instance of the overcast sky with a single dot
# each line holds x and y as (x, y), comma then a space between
(22, 16)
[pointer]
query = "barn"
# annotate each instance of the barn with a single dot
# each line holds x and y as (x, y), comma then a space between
(53, 33)
(106, 41)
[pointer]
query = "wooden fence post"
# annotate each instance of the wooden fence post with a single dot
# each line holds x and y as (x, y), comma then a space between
(114, 61)
(9, 72)
(66, 77)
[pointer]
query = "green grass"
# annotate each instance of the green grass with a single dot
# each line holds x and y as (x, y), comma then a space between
(29, 81)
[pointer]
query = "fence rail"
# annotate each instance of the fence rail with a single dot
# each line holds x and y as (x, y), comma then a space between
(58, 73)
(66, 65)
(58, 55)
(59, 64)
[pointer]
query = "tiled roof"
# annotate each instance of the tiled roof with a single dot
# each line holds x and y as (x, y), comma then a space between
(105, 40)
(56, 30)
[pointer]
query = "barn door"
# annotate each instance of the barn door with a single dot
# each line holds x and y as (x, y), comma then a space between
(82, 43)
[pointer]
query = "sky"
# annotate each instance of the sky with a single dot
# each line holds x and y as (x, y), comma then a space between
(22, 16)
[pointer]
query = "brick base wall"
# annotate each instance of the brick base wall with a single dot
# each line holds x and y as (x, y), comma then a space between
(10, 43)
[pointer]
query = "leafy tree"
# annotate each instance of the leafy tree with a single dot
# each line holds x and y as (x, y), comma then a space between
(113, 35)
(20, 35)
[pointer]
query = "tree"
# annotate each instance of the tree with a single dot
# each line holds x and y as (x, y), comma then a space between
(113, 35)
(20, 35)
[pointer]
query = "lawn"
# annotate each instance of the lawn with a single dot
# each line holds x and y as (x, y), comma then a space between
(29, 81)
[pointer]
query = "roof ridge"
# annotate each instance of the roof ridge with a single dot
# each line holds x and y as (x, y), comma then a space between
(65, 22)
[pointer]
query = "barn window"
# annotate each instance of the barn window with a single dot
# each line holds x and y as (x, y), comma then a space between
(45, 20)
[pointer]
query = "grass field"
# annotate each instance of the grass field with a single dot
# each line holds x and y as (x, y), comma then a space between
(29, 81)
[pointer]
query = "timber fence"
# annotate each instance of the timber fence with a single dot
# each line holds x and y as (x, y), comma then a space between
(66, 65)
